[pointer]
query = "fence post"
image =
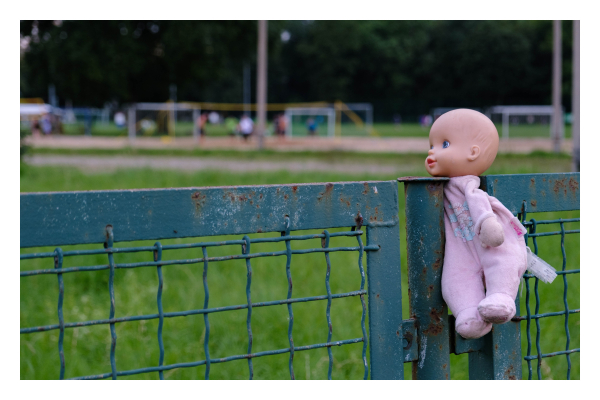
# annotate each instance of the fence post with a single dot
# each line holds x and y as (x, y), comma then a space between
(196, 128)
(425, 237)
(500, 357)
(385, 297)
(131, 123)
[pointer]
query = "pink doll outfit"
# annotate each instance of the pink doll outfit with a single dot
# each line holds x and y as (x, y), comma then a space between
(479, 283)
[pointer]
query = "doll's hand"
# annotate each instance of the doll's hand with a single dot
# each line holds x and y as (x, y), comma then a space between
(491, 233)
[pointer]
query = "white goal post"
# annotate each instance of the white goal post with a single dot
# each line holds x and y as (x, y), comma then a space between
(310, 111)
(508, 111)
(170, 107)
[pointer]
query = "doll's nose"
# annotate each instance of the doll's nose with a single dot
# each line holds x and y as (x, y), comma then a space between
(430, 152)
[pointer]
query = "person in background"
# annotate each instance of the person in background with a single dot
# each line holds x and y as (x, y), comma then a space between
(276, 124)
(281, 125)
(231, 124)
(311, 124)
(120, 119)
(201, 123)
(46, 124)
(56, 122)
(246, 126)
(214, 117)
(35, 128)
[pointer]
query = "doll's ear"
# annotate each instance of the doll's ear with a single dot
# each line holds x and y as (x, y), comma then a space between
(474, 154)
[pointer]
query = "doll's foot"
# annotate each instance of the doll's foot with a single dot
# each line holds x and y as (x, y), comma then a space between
(470, 325)
(497, 308)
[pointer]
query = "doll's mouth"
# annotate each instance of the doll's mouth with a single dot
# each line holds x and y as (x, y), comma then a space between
(430, 162)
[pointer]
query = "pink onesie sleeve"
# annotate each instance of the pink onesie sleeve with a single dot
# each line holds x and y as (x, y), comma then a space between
(479, 204)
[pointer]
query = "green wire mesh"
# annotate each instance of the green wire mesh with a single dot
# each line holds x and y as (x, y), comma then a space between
(245, 243)
(535, 317)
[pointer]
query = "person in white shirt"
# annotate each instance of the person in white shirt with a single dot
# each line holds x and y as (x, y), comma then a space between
(246, 126)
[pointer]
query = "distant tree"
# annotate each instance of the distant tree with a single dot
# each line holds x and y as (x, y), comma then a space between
(400, 66)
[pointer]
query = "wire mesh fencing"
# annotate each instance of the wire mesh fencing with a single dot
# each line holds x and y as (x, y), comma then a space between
(288, 252)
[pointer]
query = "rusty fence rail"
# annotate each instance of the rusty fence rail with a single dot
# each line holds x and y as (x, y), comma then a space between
(426, 339)
(108, 217)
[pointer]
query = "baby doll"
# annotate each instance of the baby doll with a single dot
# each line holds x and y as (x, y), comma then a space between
(485, 253)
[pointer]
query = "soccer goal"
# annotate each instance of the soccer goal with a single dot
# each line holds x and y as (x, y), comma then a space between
(524, 121)
(302, 122)
(354, 119)
(150, 119)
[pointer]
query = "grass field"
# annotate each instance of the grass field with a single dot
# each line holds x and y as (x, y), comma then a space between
(347, 129)
(86, 294)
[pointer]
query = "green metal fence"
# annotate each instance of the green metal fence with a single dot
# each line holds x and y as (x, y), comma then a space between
(498, 354)
(107, 217)
(341, 212)
(538, 200)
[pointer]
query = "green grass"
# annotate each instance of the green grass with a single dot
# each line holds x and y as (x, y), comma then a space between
(86, 294)
(299, 130)
(538, 160)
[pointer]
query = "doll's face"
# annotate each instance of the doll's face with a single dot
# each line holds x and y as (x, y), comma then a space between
(461, 142)
(447, 154)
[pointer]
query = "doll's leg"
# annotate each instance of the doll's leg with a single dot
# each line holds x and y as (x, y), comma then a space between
(462, 289)
(503, 267)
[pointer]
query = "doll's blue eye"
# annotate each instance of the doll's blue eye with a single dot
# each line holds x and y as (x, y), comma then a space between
(445, 144)
(431, 147)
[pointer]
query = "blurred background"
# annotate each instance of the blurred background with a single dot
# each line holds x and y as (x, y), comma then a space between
(155, 104)
(394, 74)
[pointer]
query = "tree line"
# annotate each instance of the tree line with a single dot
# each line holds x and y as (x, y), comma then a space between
(401, 67)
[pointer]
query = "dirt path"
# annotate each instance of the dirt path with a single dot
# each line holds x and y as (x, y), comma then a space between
(95, 164)
(350, 144)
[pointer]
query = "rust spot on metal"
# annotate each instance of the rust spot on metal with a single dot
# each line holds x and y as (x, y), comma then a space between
(366, 191)
(174, 231)
(424, 270)
(532, 184)
(359, 221)
(285, 197)
(375, 216)
(242, 198)
(559, 185)
(294, 189)
(259, 230)
(260, 196)
(257, 216)
(343, 200)
(437, 264)
(198, 199)
(510, 373)
(436, 325)
(573, 186)
(327, 192)
(534, 203)
(444, 366)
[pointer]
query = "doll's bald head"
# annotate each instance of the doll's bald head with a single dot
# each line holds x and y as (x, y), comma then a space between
(462, 142)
